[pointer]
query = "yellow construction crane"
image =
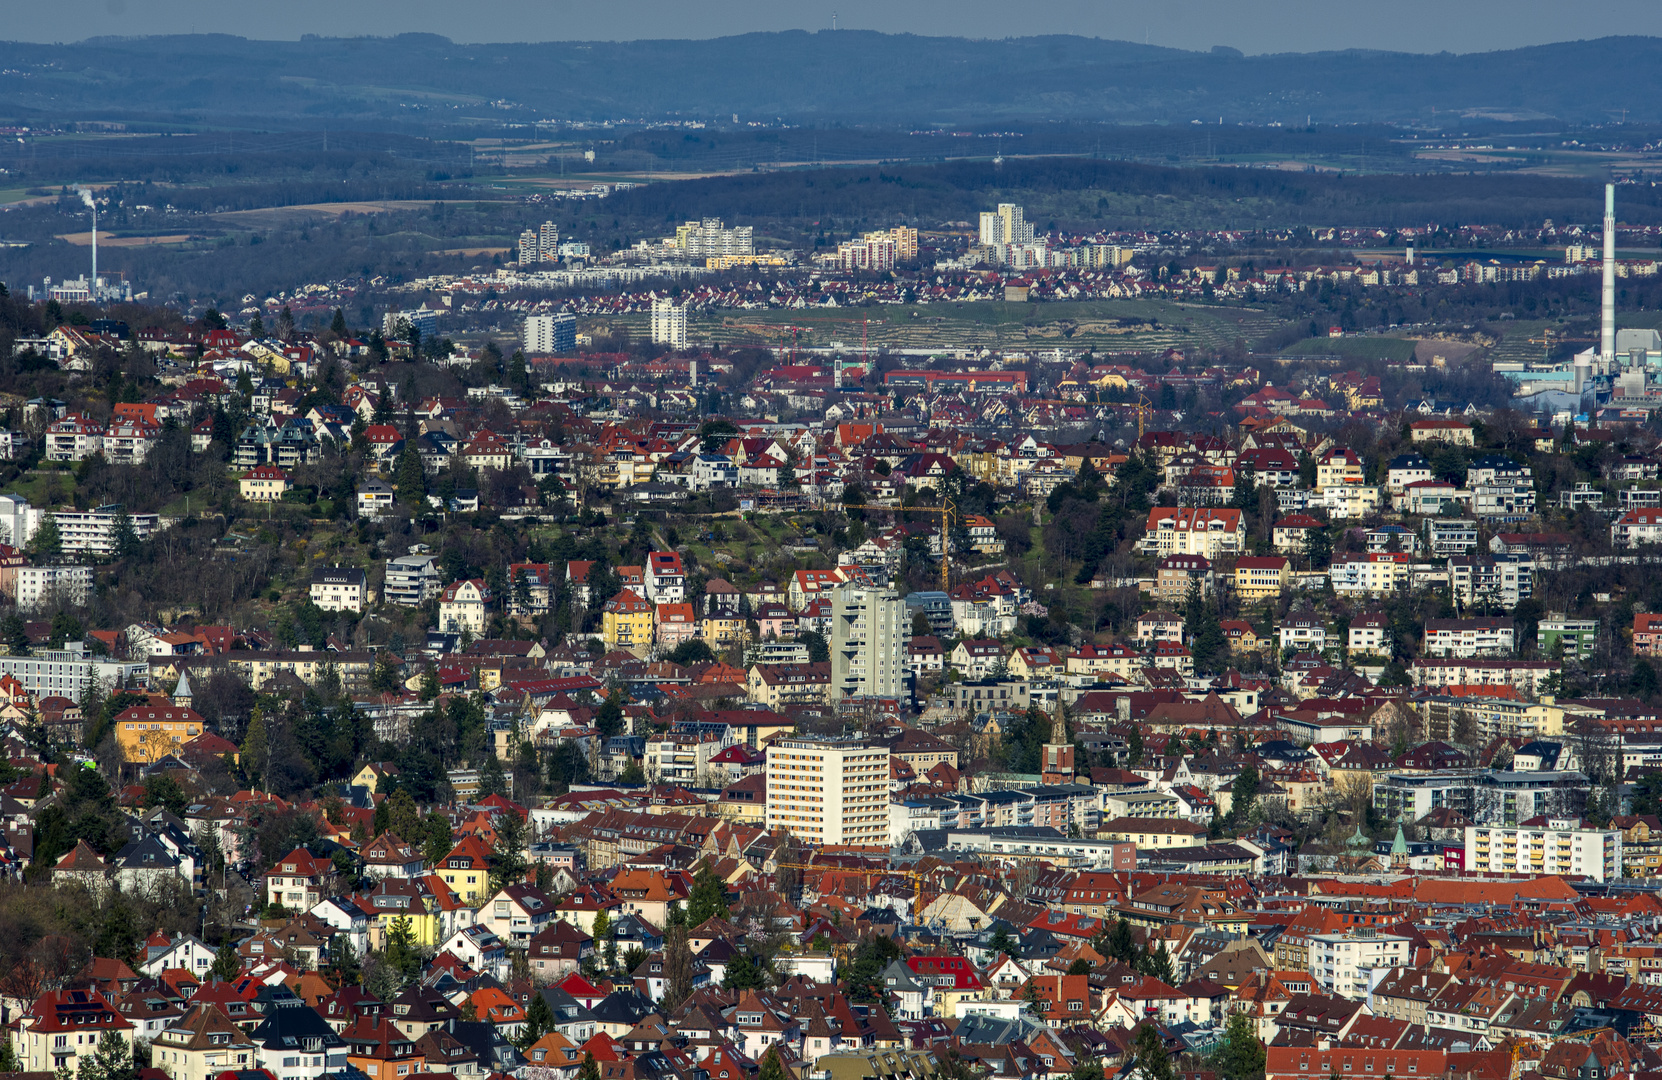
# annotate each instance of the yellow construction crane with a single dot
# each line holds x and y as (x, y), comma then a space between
(1517, 1045)
(948, 511)
(917, 877)
(1144, 406)
(1549, 338)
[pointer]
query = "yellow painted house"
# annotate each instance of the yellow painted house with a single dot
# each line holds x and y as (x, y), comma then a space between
(466, 870)
(1258, 577)
(626, 622)
(720, 630)
(432, 918)
(149, 732)
(264, 483)
(1035, 663)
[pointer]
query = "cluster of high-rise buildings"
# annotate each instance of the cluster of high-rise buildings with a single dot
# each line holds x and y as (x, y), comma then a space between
(879, 250)
(539, 245)
(709, 239)
(1006, 238)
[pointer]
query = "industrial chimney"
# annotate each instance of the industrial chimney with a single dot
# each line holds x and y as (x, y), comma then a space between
(1607, 328)
(86, 197)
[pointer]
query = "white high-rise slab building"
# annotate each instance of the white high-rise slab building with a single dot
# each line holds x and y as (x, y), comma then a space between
(547, 334)
(829, 789)
(669, 323)
(1561, 846)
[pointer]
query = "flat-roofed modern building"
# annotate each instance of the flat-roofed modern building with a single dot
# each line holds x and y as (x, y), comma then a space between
(829, 790)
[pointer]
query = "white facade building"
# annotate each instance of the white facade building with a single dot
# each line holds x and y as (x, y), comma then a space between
(546, 334)
(709, 239)
(94, 530)
(339, 588)
(18, 520)
(1559, 847)
(669, 323)
(1340, 963)
(829, 790)
(1465, 638)
(41, 587)
(412, 580)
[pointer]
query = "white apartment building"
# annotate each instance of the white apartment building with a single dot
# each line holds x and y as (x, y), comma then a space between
(683, 757)
(41, 587)
(1513, 501)
(1007, 232)
(1371, 574)
(1559, 847)
(1448, 537)
(669, 323)
(829, 790)
(69, 670)
(1369, 635)
(339, 588)
(1210, 532)
(1505, 579)
(462, 606)
(1340, 963)
(94, 530)
(666, 577)
(1465, 638)
(1303, 633)
(1406, 469)
(710, 239)
(868, 641)
(74, 438)
(412, 580)
(18, 520)
(1637, 527)
(545, 334)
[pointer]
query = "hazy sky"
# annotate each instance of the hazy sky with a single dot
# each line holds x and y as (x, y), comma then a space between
(1253, 26)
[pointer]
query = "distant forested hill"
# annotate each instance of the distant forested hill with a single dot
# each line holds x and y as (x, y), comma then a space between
(831, 76)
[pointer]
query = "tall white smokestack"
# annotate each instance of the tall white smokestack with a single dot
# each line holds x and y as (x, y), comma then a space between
(86, 197)
(1607, 328)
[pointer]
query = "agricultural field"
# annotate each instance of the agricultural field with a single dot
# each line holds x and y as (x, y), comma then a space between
(1103, 325)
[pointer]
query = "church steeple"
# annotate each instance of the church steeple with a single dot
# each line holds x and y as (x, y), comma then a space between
(181, 693)
(1058, 752)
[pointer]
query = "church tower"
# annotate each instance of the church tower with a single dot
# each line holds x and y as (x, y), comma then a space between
(182, 696)
(1058, 752)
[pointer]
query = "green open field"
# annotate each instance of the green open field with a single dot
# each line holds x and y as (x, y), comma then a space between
(1105, 325)
(1362, 348)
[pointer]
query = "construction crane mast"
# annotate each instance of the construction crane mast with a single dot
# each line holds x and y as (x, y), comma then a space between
(948, 512)
(917, 878)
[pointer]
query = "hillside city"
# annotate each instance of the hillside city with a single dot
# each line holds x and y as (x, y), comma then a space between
(503, 687)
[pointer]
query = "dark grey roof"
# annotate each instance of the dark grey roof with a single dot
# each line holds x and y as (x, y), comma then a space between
(622, 1006)
(484, 1040)
(287, 1023)
(146, 853)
